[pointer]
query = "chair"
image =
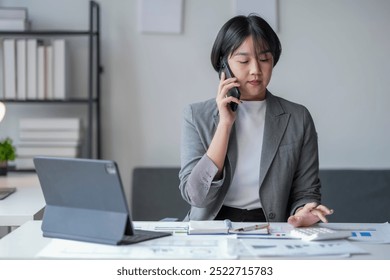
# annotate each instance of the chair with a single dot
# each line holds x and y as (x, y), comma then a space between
(156, 195)
(357, 196)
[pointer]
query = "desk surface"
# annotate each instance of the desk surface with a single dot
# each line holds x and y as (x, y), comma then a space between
(25, 204)
(27, 242)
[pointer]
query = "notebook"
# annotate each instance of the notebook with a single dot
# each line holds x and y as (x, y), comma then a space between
(85, 201)
(4, 192)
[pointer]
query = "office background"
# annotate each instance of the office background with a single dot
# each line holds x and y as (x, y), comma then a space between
(335, 61)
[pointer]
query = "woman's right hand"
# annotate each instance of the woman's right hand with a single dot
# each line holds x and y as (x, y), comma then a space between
(226, 115)
(218, 146)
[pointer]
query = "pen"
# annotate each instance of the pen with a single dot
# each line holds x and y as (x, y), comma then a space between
(254, 227)
(228, 224)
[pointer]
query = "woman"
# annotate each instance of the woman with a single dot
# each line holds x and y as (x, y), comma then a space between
(260, 162)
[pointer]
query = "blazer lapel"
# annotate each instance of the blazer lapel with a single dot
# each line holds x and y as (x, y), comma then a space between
(276, 121)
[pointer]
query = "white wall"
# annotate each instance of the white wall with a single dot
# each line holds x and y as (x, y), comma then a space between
(335, 61)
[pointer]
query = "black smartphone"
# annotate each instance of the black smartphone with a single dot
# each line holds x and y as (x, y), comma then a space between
(234, 91)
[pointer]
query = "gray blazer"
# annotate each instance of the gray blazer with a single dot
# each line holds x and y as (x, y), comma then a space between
(289, 163)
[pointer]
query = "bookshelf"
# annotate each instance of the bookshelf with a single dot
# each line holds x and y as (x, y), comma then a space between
(91, 101)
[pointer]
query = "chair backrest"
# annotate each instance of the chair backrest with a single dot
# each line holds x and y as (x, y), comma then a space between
(156, 194)
(357, 196)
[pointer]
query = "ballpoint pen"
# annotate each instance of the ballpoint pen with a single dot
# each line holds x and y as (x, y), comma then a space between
(228, 224)
(254, 227)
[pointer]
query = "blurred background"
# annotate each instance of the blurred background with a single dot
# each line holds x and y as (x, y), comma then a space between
(335, 61)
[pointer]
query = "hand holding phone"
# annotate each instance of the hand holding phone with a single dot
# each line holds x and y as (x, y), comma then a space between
(234, 91)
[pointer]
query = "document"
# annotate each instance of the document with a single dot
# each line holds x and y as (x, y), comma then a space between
(298, 248)
(226, 227)
(172, 227)
(367, 233)
(169, 248)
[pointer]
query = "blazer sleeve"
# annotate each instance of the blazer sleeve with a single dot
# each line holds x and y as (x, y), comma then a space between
(197, 172)
(306, 184)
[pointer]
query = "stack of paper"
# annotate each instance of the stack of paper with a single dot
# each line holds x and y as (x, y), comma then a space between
(13, 19)
(47, 137)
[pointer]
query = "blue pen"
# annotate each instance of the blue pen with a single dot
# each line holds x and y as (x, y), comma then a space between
(228, 224)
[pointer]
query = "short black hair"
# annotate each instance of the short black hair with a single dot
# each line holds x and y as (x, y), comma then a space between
(234, 32)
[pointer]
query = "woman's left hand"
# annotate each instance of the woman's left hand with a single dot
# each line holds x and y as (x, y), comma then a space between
(310, 214)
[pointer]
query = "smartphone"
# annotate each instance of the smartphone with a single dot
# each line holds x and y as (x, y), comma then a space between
(234, 91)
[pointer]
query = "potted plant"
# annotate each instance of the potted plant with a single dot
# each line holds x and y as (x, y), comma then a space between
(7, 152)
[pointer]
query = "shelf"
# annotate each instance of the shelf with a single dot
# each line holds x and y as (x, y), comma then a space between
(47, 33)
(90, 99)
(71, 100)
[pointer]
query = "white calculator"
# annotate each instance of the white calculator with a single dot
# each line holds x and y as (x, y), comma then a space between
(318, 233)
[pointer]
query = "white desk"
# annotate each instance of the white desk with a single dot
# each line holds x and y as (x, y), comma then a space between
(25, 204)
(27, 242)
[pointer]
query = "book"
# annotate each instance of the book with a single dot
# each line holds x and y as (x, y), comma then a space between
(49, 143)
(31, 151)
(2, 87)
(226, 227)
(32, 45)
(49, 72)
(47, 137)
(13, 13)
(9, 60)
(50, 124)
(39, 135)
(14, 24)
(41, 94)
(59, 69)
(21, 69)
